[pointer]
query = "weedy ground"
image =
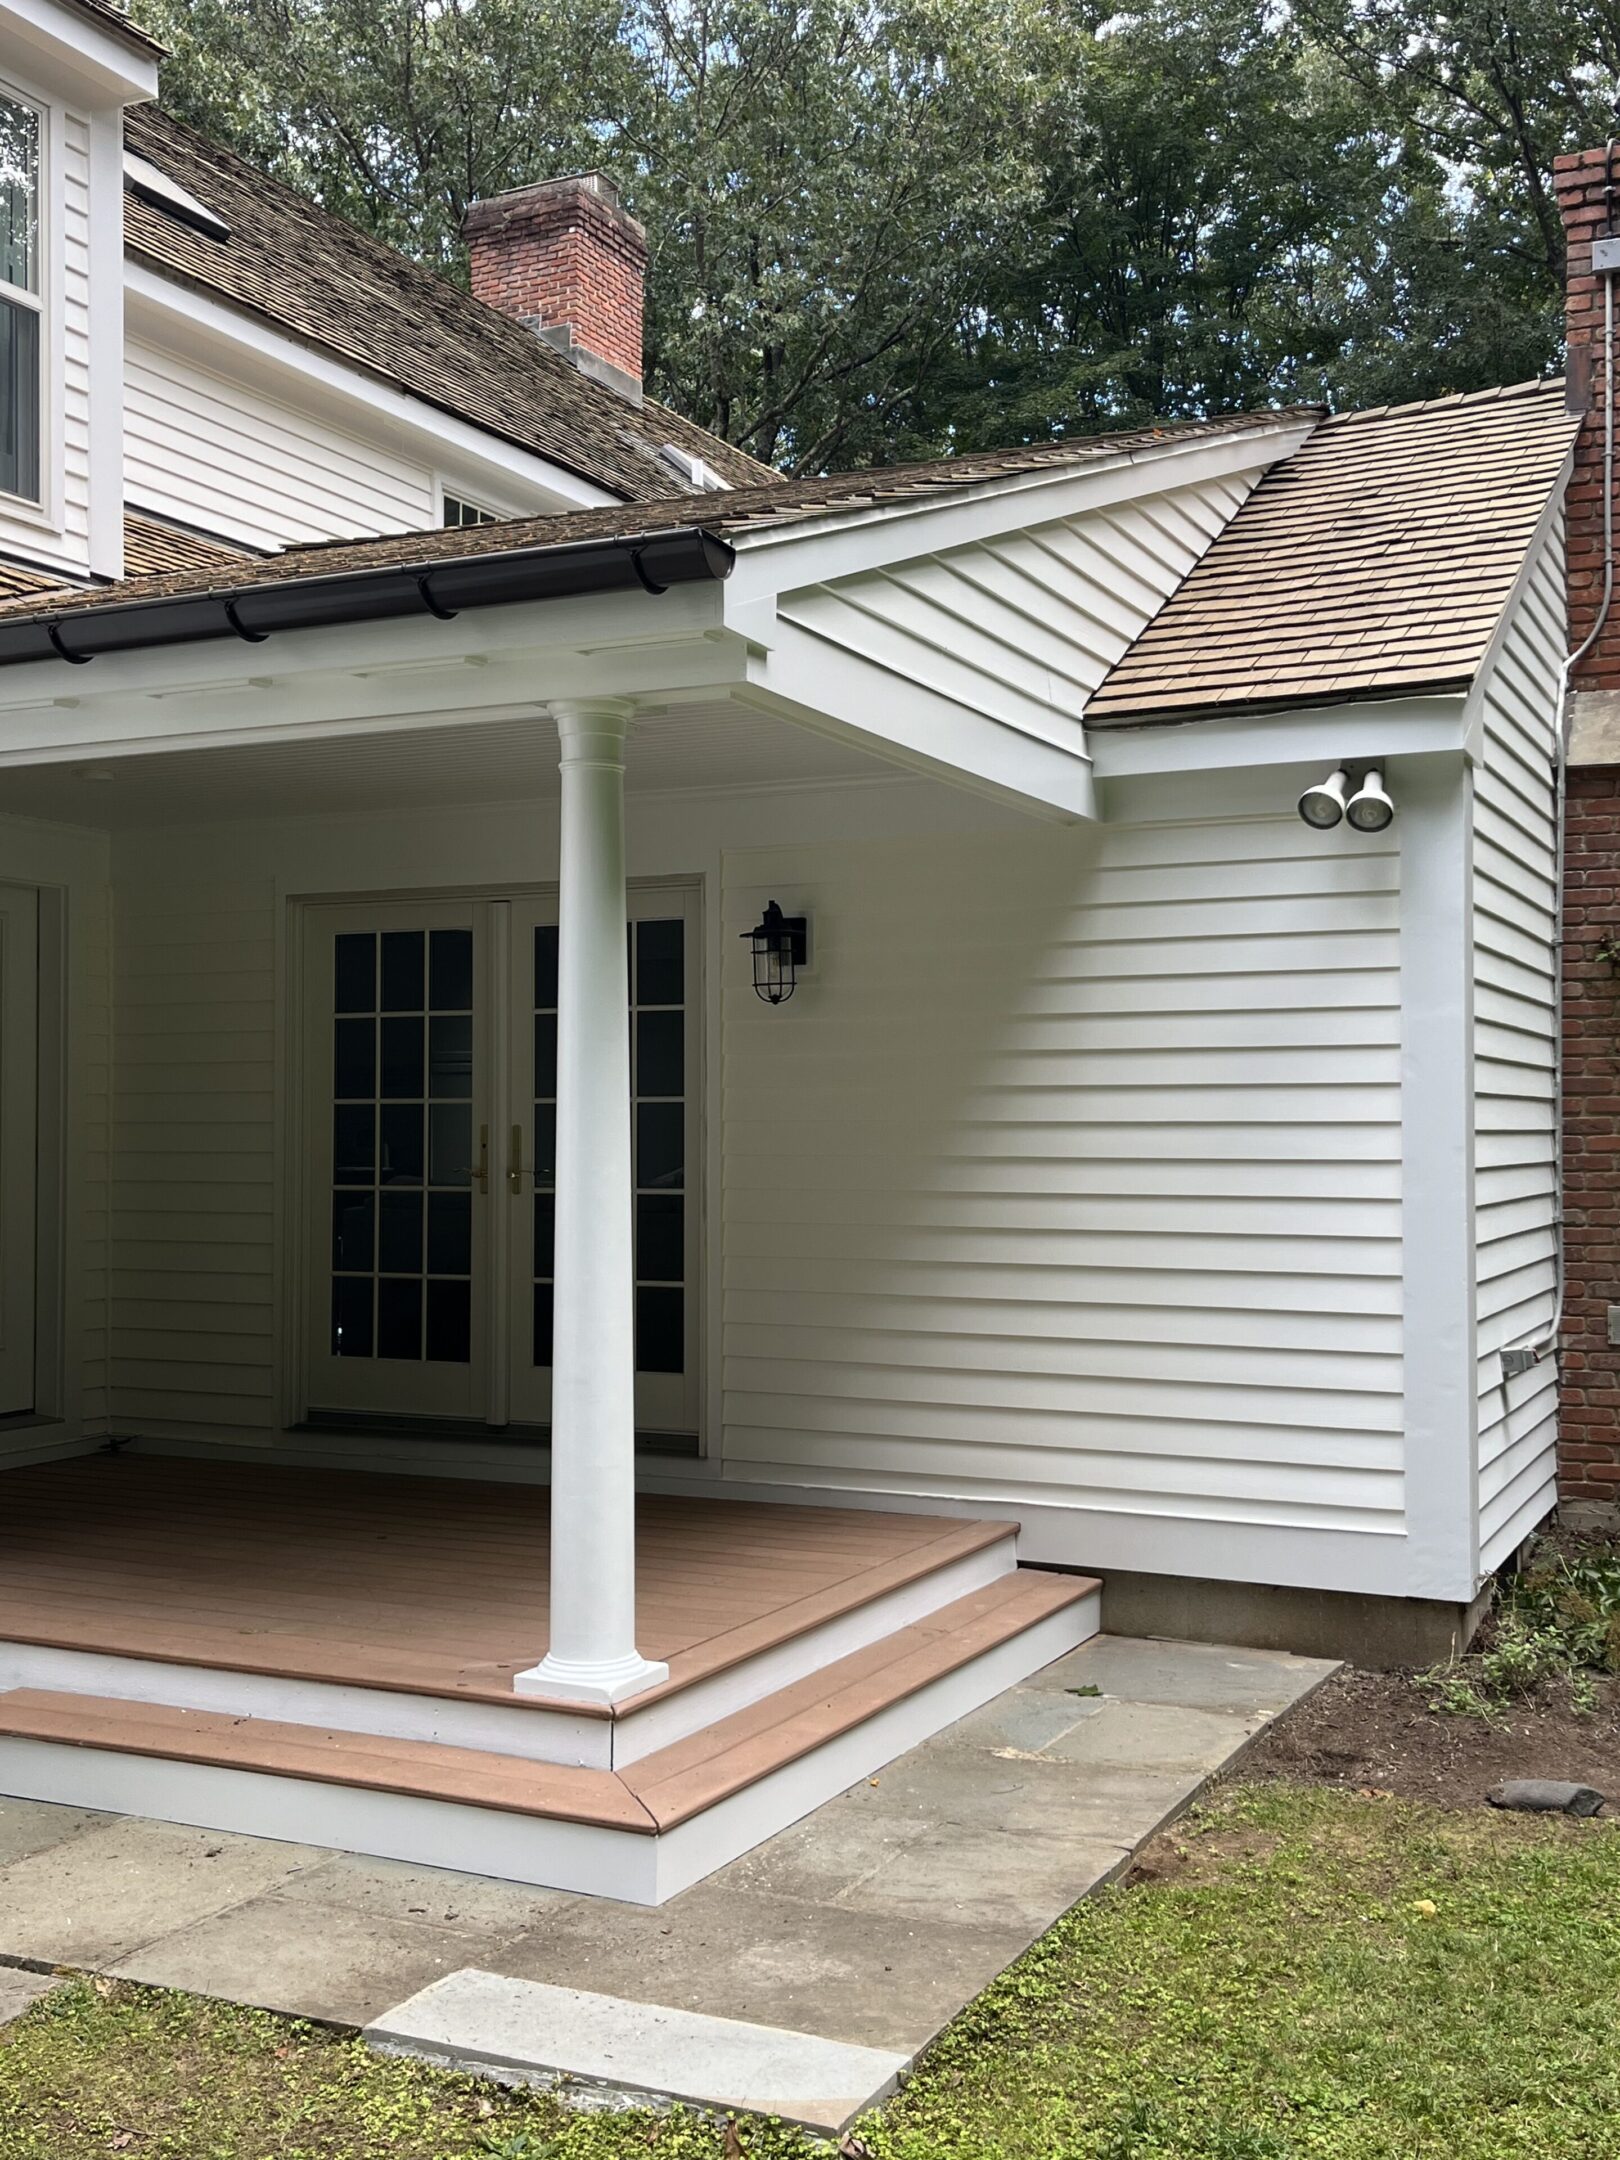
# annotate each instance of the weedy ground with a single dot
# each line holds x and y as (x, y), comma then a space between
(1295, 1973)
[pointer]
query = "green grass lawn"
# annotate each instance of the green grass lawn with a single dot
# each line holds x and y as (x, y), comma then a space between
(1318, 1974)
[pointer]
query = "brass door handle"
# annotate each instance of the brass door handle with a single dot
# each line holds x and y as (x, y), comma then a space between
(514, 1174)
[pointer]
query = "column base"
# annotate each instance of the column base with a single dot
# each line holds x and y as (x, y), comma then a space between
(614, 1680)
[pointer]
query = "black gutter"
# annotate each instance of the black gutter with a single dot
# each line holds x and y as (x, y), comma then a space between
(649, 563)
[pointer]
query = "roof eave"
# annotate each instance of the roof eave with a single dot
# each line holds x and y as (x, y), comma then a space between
(445, 588)
(1258, 707)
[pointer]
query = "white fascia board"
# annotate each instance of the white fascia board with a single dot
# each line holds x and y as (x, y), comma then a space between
(218, 335)
(838, 693)
(1374, 728)
(845, 543)
(76, 56)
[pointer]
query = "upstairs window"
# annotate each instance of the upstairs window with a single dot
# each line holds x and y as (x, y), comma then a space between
(20, 306)
(458, 511)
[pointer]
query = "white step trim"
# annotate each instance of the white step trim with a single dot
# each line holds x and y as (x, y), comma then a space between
(583, 1857)
(533, 1732)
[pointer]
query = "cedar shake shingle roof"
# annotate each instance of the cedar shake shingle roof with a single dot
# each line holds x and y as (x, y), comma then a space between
(730, 517)
(1375, 561)
(18, 582)
(153, 546)
(113, 18)
(318, 278)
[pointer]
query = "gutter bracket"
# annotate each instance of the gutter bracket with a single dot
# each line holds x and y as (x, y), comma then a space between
(647, 584)
(74, 659)
(435, 608)
(248, 637)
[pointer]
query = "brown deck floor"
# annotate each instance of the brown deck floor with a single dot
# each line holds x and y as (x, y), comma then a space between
(431, 1584)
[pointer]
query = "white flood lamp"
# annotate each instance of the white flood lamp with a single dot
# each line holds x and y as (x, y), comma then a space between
(1369, 808)
(1323, 805)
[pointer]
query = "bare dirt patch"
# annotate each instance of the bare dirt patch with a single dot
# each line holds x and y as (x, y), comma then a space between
(1375, 1731)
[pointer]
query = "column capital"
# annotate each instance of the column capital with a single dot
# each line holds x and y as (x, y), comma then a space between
(586, 726)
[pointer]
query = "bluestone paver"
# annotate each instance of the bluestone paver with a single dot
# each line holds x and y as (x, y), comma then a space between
(870, 1923)
(526, 2026)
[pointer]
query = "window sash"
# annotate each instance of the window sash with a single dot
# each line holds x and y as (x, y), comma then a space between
(21, 134)
(19, 400)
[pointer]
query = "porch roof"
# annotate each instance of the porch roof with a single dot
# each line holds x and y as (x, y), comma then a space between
(732, 516)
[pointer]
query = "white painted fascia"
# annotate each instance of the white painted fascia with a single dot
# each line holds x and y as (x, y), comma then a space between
(207, 330)
(844, 543)
(1369, 729)
(82, 59)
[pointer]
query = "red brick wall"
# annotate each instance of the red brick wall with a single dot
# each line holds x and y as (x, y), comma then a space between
(1589, 1401)
(1584, 196)
(1589, 1410)
(564, 254)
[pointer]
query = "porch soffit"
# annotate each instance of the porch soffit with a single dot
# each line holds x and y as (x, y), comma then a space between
(711, 743)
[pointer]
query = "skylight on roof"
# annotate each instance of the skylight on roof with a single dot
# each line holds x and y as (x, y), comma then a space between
(154, 186)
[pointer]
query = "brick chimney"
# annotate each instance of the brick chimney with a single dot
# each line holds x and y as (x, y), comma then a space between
(1588, 185)
(565, 259)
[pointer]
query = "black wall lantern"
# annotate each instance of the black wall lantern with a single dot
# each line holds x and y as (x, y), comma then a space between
(780, 944)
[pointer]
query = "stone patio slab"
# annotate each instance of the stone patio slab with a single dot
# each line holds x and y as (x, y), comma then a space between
(304, 1958)
(870, 1924)
(19, 1991)
(93, 1898)
(1204, 1676)
(481, 2019)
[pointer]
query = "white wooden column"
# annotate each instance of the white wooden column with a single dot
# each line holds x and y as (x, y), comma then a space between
(593, 1655)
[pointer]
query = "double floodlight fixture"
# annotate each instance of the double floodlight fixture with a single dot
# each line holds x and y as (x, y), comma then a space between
(1368, 810)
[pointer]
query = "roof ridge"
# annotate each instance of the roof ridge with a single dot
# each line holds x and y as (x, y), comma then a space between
(1532, 386)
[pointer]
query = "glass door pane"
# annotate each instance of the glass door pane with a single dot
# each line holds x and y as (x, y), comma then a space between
(395, 1020)
(664, 1114)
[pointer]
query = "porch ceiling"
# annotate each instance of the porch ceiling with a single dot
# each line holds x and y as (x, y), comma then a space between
(712, 743)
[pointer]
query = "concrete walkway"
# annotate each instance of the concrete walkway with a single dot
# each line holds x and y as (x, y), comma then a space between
(871, 1923)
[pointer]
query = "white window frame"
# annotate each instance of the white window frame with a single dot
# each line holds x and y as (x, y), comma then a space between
(45, 514)
(452, 490)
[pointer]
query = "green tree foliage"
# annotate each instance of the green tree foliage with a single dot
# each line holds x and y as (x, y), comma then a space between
(887, 227)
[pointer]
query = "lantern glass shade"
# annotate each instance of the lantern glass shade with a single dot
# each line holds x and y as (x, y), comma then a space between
(778, 943)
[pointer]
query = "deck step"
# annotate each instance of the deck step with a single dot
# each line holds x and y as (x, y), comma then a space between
(653, 1795)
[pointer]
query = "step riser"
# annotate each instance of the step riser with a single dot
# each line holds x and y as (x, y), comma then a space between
(533, 1733)
(644, 1870)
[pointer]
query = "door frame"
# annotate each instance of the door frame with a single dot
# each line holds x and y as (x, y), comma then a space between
(294, 1186)
(51, 1127)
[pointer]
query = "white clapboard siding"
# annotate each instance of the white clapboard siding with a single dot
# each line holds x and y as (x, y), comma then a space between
(193, 1214)
(221, 454)
(1026, 627)
(1515, 921)
(1070, 1176)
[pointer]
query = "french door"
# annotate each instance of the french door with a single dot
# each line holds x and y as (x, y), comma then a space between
(431, 1033)
(19, 1063)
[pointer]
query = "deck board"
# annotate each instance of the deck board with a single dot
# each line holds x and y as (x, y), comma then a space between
(434, 1585)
